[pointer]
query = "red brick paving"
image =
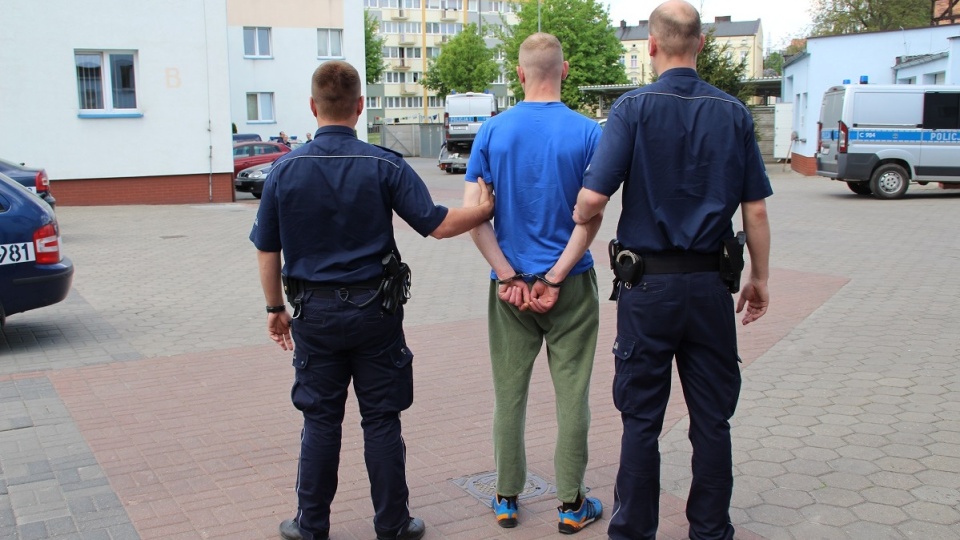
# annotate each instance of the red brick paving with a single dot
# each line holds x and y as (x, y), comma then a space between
(205, 445)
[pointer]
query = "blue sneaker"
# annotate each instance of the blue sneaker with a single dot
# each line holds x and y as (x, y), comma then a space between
(506, 510)
(572, 521)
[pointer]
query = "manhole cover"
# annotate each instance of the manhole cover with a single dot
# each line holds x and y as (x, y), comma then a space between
(483, 486)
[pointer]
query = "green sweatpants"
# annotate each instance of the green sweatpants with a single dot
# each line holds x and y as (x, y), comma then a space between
(570, 330)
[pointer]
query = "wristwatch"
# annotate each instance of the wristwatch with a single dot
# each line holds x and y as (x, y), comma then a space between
(276, 309)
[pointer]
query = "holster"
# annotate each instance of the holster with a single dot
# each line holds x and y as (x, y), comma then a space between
(396, 283)
(627, 267)
(294, 289)
(731, 261)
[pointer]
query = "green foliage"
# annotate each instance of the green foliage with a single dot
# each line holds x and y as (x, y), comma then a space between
(833, 17)
(465, 64)
(717, 67)
(589, 43)
(373, 45)
(774, 61)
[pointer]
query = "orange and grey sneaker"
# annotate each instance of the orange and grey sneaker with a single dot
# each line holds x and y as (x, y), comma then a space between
(506, 510)
(572, 521)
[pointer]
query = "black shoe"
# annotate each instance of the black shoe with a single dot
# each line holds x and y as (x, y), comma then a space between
(413, 530)
(289, 530)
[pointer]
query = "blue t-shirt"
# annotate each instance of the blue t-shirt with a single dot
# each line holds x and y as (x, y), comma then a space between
(328, 206)
(687, 156)
(534, 155)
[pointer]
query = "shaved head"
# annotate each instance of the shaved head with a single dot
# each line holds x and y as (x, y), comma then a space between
(541, 57)
(676, 27)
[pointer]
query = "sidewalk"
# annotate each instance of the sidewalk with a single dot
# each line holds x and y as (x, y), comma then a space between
(150, 403)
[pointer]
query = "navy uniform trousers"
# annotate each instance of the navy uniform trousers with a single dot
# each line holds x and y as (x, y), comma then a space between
(690, 317)
(336, 341)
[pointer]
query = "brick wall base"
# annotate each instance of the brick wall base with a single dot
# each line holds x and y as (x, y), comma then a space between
(804, 165)
(181, 189)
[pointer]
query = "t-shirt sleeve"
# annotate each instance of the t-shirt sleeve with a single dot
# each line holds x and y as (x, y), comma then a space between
(413, 203)
(479, 165)
(610, 162)
(265, 234)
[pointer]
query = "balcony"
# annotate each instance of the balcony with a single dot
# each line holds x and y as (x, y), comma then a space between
(409, 89)
(401, 65)
(449, 15)
(408, 39)
(397, 14)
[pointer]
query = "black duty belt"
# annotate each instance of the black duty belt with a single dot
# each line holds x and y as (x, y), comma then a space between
(680, 262)
(328, 287)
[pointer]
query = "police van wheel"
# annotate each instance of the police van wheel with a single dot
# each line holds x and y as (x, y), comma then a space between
(889, 181)
(860, 188)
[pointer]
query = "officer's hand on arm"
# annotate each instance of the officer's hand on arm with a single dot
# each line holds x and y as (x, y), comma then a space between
(461, 220)
(754, 294)
(589, 204)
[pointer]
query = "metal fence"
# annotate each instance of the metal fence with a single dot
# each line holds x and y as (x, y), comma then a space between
(411, 140)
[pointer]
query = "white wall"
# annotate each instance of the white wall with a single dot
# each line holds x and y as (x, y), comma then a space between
(832, 59)
(287, 73)
(181, 83)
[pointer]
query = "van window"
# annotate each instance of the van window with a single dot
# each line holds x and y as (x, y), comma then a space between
(887, 109)
(941, 110)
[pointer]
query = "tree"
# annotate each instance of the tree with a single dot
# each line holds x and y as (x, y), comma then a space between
(774, 61)
(373, 44)
(833, 17)
(797, 46)
(465, 64)
(589, 42)
(716, 66)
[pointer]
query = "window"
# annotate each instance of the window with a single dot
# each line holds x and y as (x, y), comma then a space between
(392, 102)
(435, 101)
(411, 4)
(393, 77)
(743, 56)
(391, 52)
(433, 52)
(256, 42)
(106, 81)
(329, 43)
(371, 3)
(501, 79)
(411, 52)
(941, 110)
(373, 102)
(633, 60)
(260, 107)
(433, 4)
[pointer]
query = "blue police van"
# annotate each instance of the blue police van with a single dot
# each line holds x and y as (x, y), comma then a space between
(33, 271)
(880, 137)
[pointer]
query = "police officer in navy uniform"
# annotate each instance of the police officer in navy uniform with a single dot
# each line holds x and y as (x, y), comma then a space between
(328, 207)
(687, 157)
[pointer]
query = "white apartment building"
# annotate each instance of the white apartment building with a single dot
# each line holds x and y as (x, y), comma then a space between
(121, 102)
(414, 31)
(274, 49)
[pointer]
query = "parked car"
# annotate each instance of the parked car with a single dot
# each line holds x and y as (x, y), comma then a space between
(251, 180)
(244, 137)
(33, 272)
(248, 154)
(35, 180)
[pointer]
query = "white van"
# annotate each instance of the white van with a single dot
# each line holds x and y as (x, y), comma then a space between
(878, 138)
(463, 115)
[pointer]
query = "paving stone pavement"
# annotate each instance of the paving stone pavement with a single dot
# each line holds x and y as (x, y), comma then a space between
(150, 403)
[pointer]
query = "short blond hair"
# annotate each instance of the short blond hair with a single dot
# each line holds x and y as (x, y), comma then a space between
(335, 90)
(541, 56)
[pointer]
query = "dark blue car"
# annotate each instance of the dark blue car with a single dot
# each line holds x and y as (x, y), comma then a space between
(33, 271)
(35, 180)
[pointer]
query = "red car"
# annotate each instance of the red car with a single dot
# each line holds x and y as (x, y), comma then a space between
(248, 154)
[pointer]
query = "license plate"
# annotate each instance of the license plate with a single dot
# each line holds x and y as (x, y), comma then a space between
(16, 253)
(458, 127)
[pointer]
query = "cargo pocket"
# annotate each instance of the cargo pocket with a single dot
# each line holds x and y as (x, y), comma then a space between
(622, 351)
(402, 394)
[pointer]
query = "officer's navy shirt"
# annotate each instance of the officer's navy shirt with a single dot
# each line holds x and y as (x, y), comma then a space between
(328, 206)
(687, 157)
